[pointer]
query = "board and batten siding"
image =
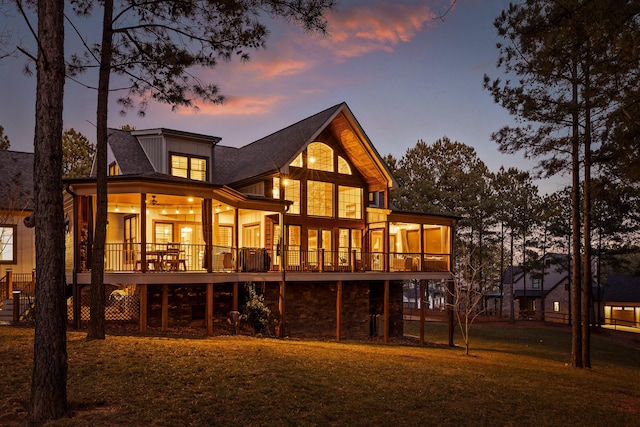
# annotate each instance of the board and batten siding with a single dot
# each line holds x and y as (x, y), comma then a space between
(154, 147)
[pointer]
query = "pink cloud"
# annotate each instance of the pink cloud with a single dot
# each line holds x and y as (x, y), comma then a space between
(237, 106)
(358, 30)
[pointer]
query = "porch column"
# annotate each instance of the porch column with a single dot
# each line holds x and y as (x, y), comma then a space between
(450, 313)
(143, 233)
(165, 307)
(422, 309)
(281, 307)
(143, 308)
(209, 309)
(339, 310)
(386, 311)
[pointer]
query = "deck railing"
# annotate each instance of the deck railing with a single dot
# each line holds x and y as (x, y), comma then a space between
(128, 257)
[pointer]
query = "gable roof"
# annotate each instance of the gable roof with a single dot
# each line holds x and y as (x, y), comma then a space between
(16, 175)
(274, 152)
(621, 288)
(127, 150)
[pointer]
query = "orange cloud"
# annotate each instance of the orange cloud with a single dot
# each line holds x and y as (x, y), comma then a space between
(238, 105)
(278, 67)
(358, 30)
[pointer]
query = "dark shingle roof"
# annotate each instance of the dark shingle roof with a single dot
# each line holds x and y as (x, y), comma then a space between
(16, 175)
(622, 288)
(271, 152)
(131, 157)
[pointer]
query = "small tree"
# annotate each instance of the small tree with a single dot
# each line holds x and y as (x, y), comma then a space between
(4, 140)
(467, 295)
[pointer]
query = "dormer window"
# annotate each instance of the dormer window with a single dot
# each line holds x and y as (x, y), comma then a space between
(187, 166)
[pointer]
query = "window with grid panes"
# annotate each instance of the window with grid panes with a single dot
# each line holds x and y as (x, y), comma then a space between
(186, 166)
(349, 202)
(292, 193)
(319, 198)
(320, 157)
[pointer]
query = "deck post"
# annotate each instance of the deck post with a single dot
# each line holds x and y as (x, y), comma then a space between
(9, 282)
(339, 310)
(143, 308)
(165, 307)
(16, 306)
(422, 309)
(281, 308)
(209, 309)
(235, 296)
(386, 311)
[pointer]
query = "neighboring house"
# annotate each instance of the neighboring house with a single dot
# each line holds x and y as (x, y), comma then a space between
(529, 289)
(621, 301)
(17, 243)
(302, 214)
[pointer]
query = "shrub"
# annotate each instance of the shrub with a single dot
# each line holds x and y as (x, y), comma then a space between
(256, 312)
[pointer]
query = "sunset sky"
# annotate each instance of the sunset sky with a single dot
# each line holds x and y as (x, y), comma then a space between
(405, 74)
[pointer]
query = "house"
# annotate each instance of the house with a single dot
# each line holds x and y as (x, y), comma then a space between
(302, 215)
(17, 242)
(621, 301)
(539, 293)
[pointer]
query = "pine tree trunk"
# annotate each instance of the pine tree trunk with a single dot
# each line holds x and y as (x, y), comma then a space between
(586, 270)
(49, 381)
(96, 323)
(576, 332)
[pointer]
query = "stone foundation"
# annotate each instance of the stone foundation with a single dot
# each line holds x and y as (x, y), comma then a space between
(310, 307)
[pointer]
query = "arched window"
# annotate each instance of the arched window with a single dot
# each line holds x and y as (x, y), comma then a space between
(320, 157)
(343, 166)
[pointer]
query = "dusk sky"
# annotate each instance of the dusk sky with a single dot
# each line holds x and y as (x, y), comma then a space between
(405, 74)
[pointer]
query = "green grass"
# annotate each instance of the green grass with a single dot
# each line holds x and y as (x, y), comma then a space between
(515, 376)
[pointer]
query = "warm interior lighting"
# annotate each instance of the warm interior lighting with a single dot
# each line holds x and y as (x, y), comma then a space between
(117, 209)
(177, 210)
(164, 211)
(190, 199)
(133, 209)
(191, 210)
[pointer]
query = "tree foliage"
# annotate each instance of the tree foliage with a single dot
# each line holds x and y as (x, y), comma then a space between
(4, 140)
(77, 154)
(574, 61)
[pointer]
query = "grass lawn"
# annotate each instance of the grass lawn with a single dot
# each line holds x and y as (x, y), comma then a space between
(517, 375)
